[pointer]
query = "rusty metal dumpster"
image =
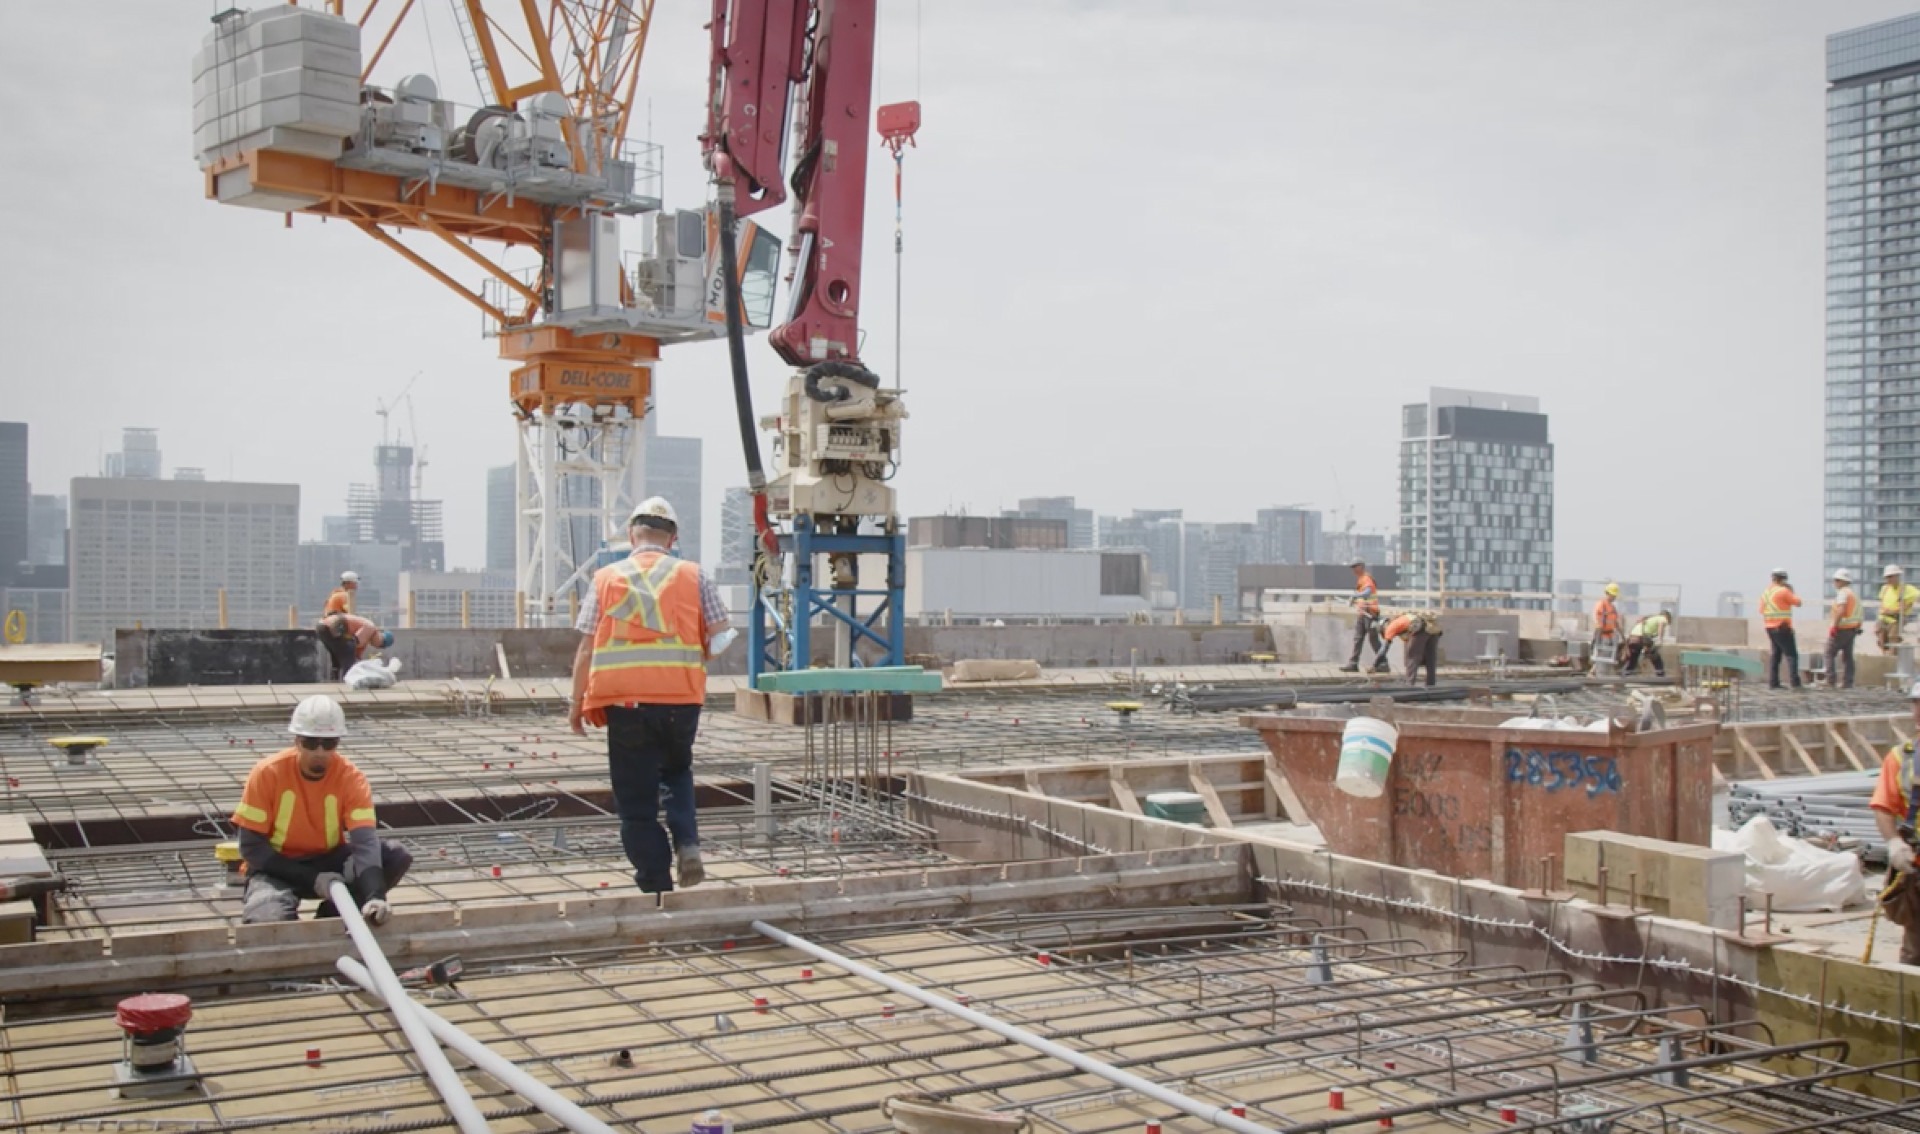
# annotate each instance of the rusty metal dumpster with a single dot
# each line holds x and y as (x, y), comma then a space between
(1473, 800)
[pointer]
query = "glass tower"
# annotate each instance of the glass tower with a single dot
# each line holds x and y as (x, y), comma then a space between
(1873, 297)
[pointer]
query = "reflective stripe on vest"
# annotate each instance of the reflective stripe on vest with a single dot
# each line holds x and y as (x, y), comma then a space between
(1908, 787)
(1606, 618)
(1368, 593)
(290, 803)
(1896, 602)
(1846, 611)
(641, 605)
(1771, 606)
(647, 646)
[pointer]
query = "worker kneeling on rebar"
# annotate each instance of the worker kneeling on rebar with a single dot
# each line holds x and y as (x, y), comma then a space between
(306, 822)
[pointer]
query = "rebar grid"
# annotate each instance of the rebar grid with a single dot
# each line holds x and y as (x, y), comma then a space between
(1250, 1005)
(180, 885)
(195, 761)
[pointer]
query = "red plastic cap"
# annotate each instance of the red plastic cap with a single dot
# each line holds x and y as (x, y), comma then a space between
(153, 1012)
(898, 119)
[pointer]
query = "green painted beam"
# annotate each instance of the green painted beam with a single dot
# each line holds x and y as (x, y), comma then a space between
(878, 679)
(1712, 659)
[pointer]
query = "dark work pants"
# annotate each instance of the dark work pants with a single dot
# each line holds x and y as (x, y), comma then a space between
(1784, 646)
(1422, 648)
(270, 899)
(1367, 629)
(1840, 652)
(1643, 647)
(341, 651)
(650, 759)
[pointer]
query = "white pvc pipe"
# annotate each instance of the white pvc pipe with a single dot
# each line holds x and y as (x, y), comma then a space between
(1218, 1115)
(433, 1061)
(545, 1098)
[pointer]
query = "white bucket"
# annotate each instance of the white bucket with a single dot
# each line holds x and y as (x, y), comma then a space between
(1366, 751)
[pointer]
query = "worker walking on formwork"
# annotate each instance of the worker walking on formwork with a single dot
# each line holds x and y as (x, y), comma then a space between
(1896, 807)
(1844, 629)
(347, 638)
(1776, 611)
(1421, 629)
(306, 821)
(1643, 643)
(1898, 601)
(1606, 628)
(647, 628)
(341, 600)
(1366, 627)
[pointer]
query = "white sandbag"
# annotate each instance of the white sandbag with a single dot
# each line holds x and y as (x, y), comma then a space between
(1799, 875)
(374, 673)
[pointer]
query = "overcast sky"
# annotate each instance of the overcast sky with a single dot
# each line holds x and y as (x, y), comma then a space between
(1158, 255)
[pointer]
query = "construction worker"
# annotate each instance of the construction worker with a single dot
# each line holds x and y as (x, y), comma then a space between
(341, 600)
(347, 638)
(1898, 601)
(1776, 610)
(1606, 628)
(1896, 805)
(1843, 631)
(306, 822)
(1643, 641)
(647, 628)
(1366, 628)
(1422, 647)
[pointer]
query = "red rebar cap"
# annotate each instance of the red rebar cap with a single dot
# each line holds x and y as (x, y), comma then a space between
(153, 1012)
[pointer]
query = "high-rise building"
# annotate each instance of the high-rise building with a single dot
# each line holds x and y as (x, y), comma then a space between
(194, 539)
(1079, 520)
(1211, 556)
(1343, 547)
(46, 530)
(673, 471)
(736, 538)
(502, 504)
(138, 458)
(1289, 535)
(338, 529)
(1476, 494)
(15, 498)
(1155, 531)
(1873, 319)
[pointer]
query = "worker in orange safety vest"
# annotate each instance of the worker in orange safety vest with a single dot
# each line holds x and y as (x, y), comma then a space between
(1606, 628)
(647, 628)
(341, 600)
(1366, 626)
(1421, 629)
(1844, 629)
(1776, 610)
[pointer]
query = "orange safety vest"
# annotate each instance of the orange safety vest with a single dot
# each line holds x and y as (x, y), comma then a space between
(649, 648)
(1776, 606)
(1369, 595)
(1846, 610)
(303, 817)
(1401, 625)
(1606, 618)
(337, 601)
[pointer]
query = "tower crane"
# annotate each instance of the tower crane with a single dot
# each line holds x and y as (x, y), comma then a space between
(294, 114)
(288, 119)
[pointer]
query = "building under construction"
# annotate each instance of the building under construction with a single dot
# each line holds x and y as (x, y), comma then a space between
(972, 919)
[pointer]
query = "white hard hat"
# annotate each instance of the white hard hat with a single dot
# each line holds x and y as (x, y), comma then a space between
(1843, 576)
(318, 715)
(1892, 569)
(653, 508)
(1915, 692)
(349, 576)
(1779, 572)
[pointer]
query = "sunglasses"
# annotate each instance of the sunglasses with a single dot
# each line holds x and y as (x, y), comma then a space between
(311, 743)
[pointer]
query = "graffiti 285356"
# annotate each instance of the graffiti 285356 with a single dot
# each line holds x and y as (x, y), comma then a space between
(1557, 771)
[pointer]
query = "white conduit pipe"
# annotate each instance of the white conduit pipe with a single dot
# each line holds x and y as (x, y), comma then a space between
(543, 1097)
(1218, 1115)
(433, 1061)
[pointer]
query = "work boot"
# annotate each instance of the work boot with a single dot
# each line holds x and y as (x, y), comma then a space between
(691, 870)
(1350, 667)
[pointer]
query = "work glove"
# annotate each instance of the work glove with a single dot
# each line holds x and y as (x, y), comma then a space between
(323, 884)
(718, 644)
(376, 911)
(1899, 855)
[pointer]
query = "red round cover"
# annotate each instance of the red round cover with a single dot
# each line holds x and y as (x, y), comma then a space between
(153, 1011)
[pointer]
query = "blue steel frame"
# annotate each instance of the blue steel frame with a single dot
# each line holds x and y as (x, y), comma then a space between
(804, 544)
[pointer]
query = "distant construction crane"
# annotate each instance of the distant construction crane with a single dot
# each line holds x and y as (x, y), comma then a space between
(536, 189)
